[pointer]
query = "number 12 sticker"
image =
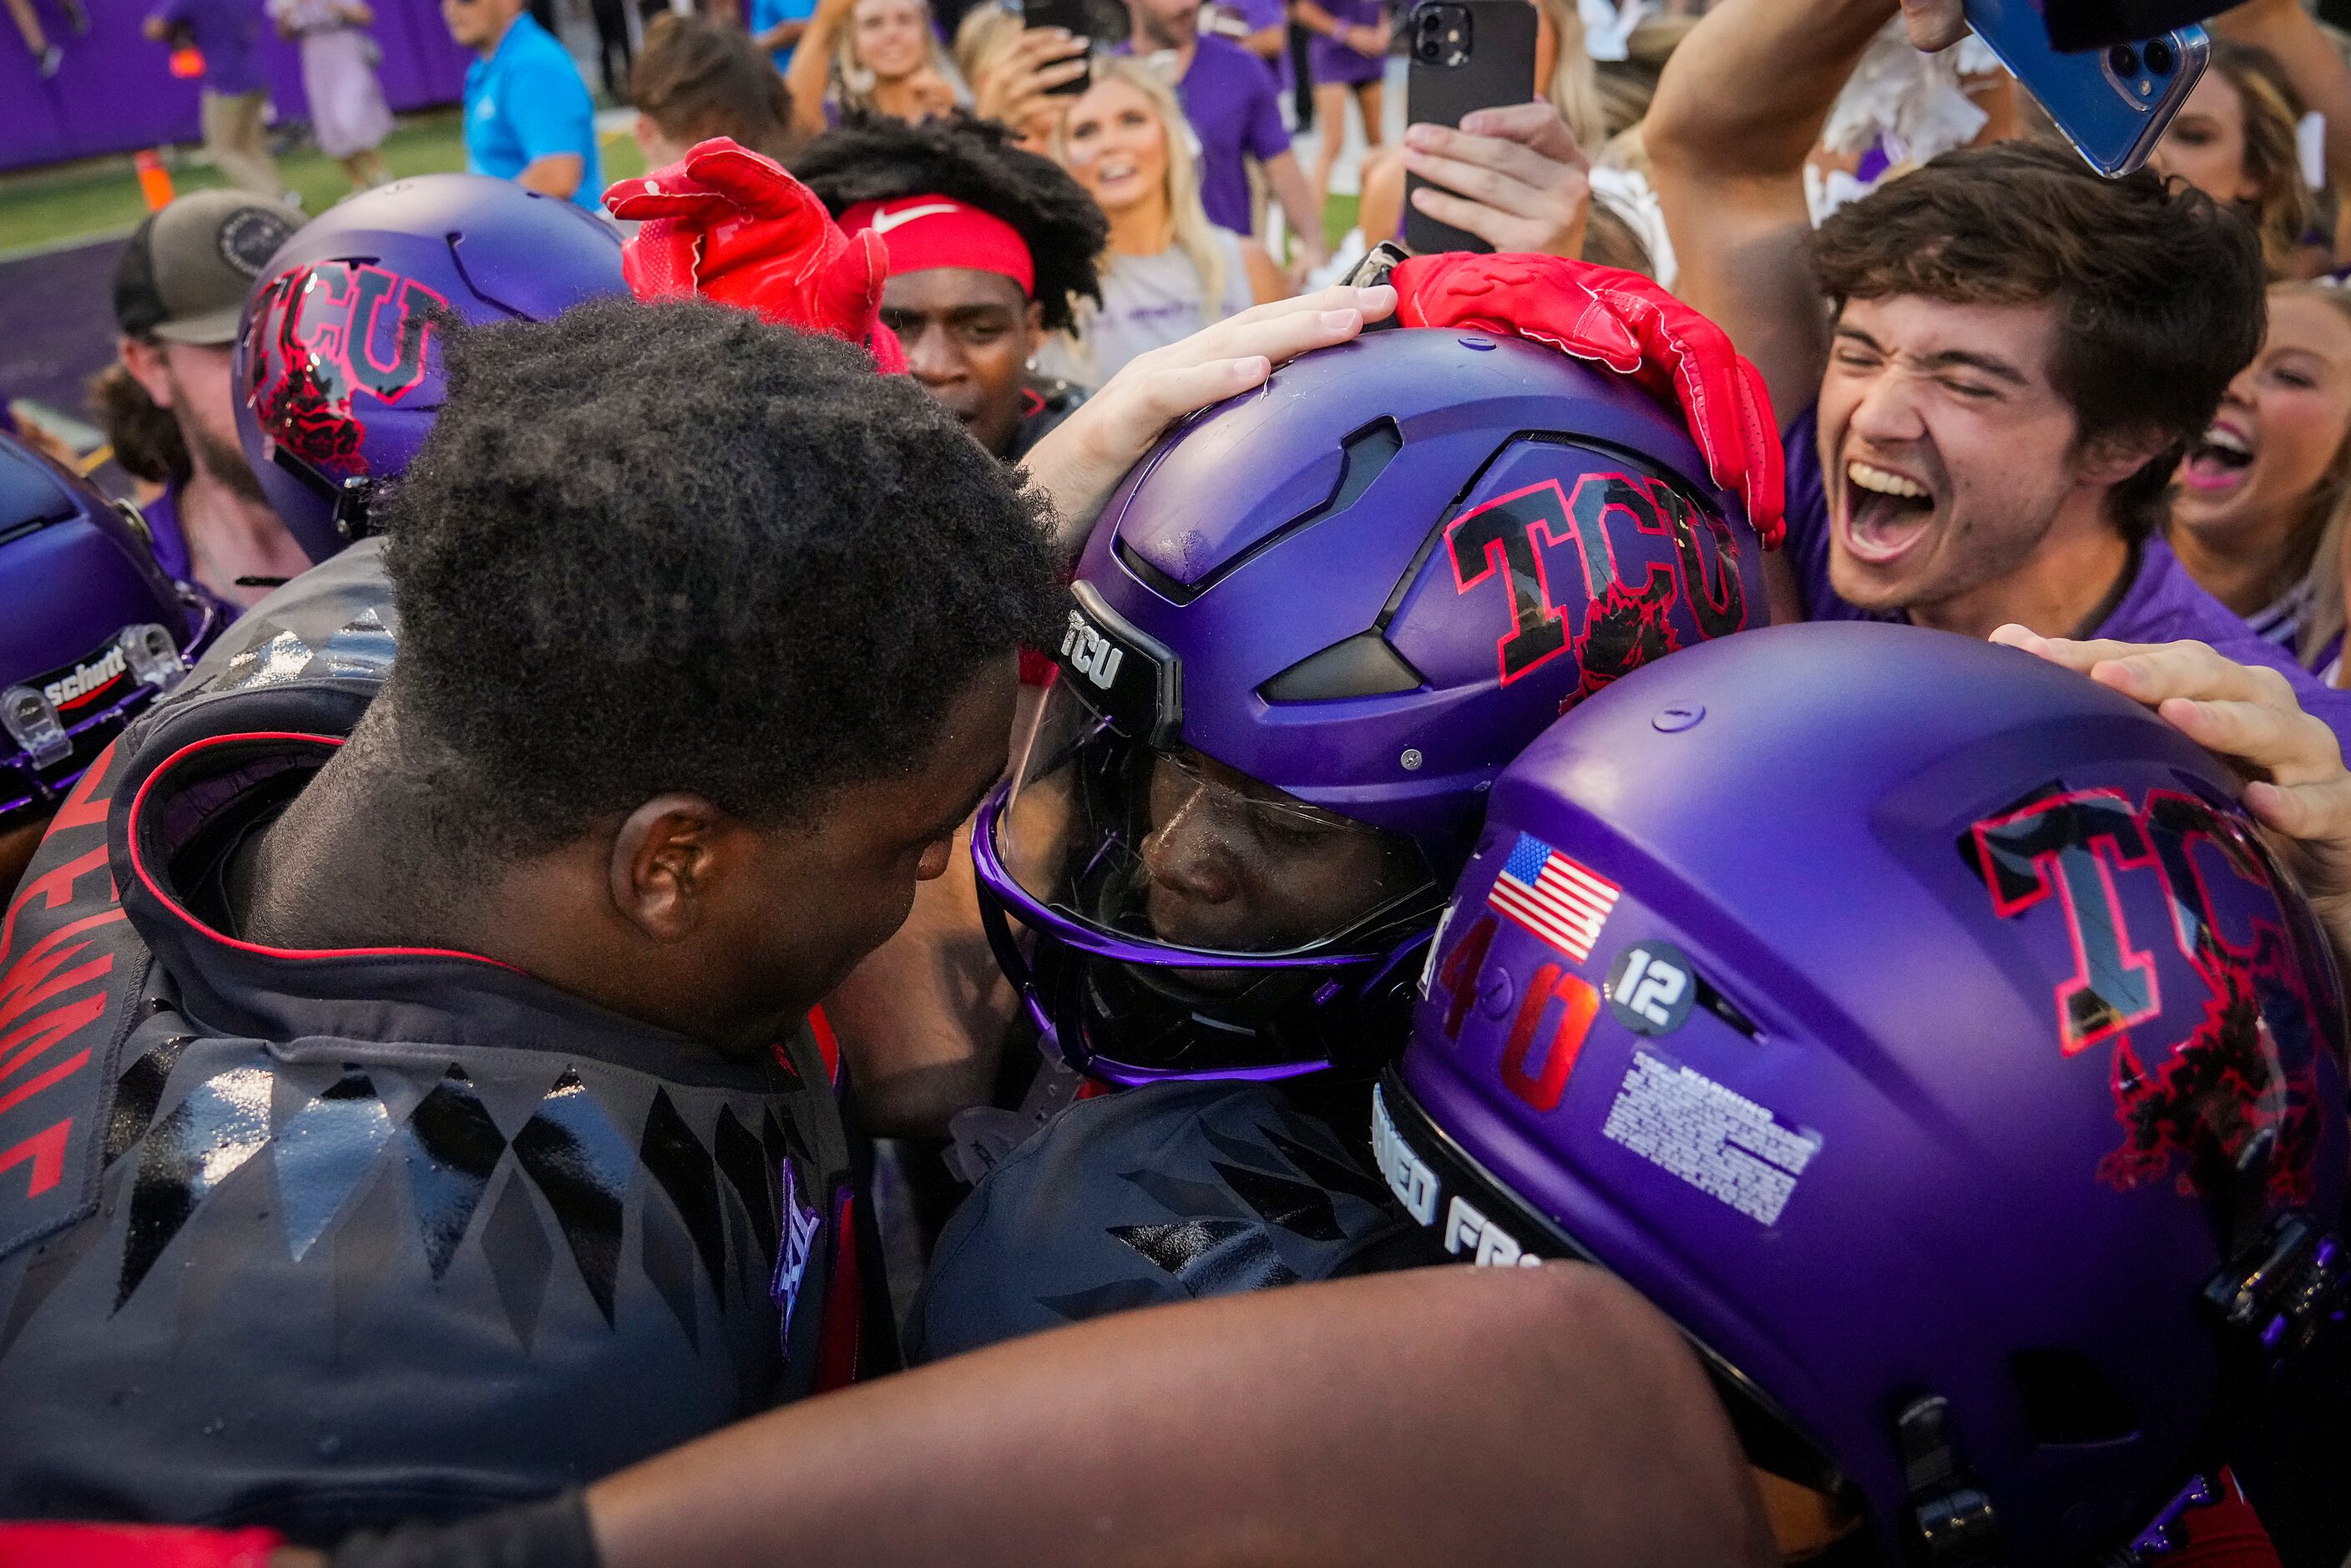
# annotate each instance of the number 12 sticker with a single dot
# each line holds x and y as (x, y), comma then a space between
(1651, 987)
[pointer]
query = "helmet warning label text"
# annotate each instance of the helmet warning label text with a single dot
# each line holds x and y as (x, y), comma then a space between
(1719, 1141)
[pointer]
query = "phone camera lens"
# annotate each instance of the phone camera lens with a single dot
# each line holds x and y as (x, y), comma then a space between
(2159, 57)
(2124, 60)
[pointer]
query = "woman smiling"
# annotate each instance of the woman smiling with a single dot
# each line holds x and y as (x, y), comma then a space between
(2258, 515)
(1169, 271)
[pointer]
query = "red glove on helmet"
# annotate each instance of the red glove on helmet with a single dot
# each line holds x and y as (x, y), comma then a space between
(133, 1546)
(1635, 328)
(730, 225)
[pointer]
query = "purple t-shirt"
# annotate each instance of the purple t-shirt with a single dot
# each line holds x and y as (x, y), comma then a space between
(170, 543)
(1230, 99)
(229, 33)
(1332, 61)
(2162, 604)
(1258, 15)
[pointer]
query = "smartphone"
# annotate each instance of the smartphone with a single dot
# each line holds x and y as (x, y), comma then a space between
(1069, 15)
(2113, 104)
(1465, 55)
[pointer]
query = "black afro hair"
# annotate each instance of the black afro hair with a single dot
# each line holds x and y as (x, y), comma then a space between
(747, 566)
(872, 158)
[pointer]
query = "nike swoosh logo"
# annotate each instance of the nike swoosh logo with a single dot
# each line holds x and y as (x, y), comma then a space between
(884, 222)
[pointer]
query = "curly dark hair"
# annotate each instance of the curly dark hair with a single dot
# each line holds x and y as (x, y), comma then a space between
(2159, 292)
(747, 566)
(872, 158)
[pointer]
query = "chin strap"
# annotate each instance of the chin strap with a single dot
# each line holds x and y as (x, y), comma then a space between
(1950, 1514)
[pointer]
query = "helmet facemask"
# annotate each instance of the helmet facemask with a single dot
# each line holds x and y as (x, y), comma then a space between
(1188, 920)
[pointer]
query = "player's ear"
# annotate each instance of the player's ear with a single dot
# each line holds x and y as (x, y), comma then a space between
(666, 857)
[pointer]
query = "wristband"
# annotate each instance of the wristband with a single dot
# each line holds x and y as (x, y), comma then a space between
(551, 1533)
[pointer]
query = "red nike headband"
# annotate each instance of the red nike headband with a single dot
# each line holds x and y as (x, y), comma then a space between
(924, 232)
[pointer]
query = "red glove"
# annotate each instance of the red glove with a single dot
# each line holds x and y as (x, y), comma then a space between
(133, 1546)
(1633, 327)
(730, 225)
(2223, 1534)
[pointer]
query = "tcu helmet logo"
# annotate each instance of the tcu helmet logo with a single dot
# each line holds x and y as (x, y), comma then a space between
(1089, 653)
(324, 334)
(1623, 626)
(2243, 1074)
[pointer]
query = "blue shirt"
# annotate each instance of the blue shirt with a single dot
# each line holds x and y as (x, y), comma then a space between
(228, 34)
(766, 14)
(526, 102)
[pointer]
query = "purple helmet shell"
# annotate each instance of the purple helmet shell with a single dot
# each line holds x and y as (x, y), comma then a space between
(93, 629)
(338, 369)
(1928, 1032)
(1344, 599)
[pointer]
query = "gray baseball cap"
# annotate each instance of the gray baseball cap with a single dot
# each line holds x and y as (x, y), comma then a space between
(184, 273)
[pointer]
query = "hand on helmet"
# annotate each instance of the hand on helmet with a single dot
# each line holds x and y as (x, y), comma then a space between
(1081, 462)
(62, 1545)
(2250, 717)
(728, 224)
(1624, 321)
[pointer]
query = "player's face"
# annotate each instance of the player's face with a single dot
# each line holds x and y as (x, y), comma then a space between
(968, 336)
(1946, 452)
(814, 901)
(1116, 147)
(1237, 866)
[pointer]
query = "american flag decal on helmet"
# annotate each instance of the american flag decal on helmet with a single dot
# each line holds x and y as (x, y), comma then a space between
(1563, 902)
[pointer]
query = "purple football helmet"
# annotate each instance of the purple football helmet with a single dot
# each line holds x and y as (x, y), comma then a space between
(1309, 630)
(93, 630)
(338, 366)
(1926, 1031)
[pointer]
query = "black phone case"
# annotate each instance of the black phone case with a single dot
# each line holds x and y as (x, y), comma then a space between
(1071, 14)
(1499, 69)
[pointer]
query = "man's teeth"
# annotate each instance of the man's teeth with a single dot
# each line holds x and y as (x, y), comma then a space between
(1884, 483)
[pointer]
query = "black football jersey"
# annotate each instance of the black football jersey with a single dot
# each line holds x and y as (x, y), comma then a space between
(1167, 1192)
(328, 1238)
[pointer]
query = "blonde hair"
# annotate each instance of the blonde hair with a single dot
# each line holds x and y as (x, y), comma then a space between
(985, 31)
(2328, 514)
(1574, 86)
(1193, 235)
(853, 83)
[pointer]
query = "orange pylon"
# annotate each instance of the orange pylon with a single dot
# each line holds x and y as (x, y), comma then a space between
(154, 180)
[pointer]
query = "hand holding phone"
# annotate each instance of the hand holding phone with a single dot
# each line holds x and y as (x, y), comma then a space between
(2113, 104)
(1070, 16)
(1466, 54)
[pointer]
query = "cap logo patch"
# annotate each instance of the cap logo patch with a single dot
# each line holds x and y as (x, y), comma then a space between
(251, 236)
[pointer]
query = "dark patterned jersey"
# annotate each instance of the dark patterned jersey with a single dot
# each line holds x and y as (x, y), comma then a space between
(323, 1239)
(1160, 1194)
(1044, 404)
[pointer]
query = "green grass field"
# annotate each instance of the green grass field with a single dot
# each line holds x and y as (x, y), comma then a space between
(47, 207)
(43, 208)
